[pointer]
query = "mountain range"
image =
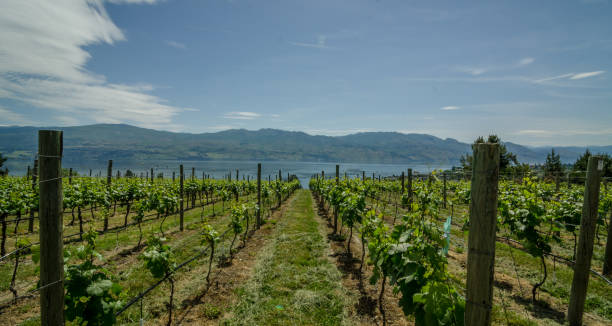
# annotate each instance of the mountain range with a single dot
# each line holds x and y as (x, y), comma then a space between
(100, 142)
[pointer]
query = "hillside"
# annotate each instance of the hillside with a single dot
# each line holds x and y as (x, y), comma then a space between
(124, 142)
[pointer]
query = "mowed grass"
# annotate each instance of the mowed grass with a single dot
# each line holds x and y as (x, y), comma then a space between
(294, 283)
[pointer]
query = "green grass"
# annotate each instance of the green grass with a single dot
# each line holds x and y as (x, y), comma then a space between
(294, 283)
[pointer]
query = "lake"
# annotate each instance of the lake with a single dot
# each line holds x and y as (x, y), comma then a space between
(219, 169)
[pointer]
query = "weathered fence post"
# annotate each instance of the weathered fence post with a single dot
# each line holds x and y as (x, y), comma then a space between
(481, 241)
(362, 175)
(280, 176)
(336, 208)
(70, 176)
(584, 252)
(192, 173)
(444, 190)
(34, 177)
(403, 182)
(258, 195)
(181, 177)
(50, 147)
(607, 268)
(410, 189)
(109, 180)
(173, 176)
(152, 176)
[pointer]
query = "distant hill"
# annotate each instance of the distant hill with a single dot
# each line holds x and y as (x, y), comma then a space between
(101, 142)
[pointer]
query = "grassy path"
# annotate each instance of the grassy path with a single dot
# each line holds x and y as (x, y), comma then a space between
(294, 283)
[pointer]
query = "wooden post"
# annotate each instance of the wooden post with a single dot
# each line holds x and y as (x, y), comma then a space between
(403, 182)
(323, 175)
(409, 188)
(50, 147)
(70, 176)
(192, 173)
(152, 176)
(90, 173)
(481, 241)
(109, 173)
(444, 190)
(237, 175)
(584, 252)
(173, 176)
(258, 195)
(607, 268)
(28, 173)
(336, 208)
(34, 177)
(362, 175)
(181, 177)
(280, 176)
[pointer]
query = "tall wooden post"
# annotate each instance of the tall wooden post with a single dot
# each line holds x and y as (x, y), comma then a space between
(90, 173)
(336, 208)
(258, 195)
(403, 182)
(181, 177)
(607, 268)
(584, 252)
(322, 174)
(50, 147)
(409, 188)
(481, 241)
(109, 173)
(28, 173)
(362, 175)
(173, 176)
(70, 176)
(444, 190)
(192, 173)
(152, 176)
(280, 176)
(237, 175)
(34, 177)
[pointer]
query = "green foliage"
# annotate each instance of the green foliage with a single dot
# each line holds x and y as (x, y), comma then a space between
(91, 296)
(158, 257)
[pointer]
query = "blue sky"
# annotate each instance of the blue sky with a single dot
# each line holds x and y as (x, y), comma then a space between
(534, 72)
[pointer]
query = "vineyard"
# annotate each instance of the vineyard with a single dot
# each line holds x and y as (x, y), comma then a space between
(439, 248)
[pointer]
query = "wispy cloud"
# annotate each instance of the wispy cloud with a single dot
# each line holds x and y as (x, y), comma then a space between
(134, 1)
(564, 132)
(176, 45)
(43, 63)
(587, 74)
(574, 76)
(450, 108)
(474, 71)
(525, 61)
(241, 115)
(12, 118)
(321, 43)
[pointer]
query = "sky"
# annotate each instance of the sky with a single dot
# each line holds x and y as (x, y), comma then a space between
(533, 72)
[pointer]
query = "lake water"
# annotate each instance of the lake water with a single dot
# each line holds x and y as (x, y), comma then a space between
(220, 169)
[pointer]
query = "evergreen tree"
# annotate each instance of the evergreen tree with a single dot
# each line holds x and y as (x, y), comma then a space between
(553, 166)
(506, 159)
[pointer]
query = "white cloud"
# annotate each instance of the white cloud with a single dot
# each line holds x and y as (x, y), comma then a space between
(474, 71)
(587, 74)
(275, 116)
(134, 1)
(176, 45)
(242, 115)
(43, 63)
(526, 61)
(553, 78)
(450, 108)
(12, 118)
(321, 43)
